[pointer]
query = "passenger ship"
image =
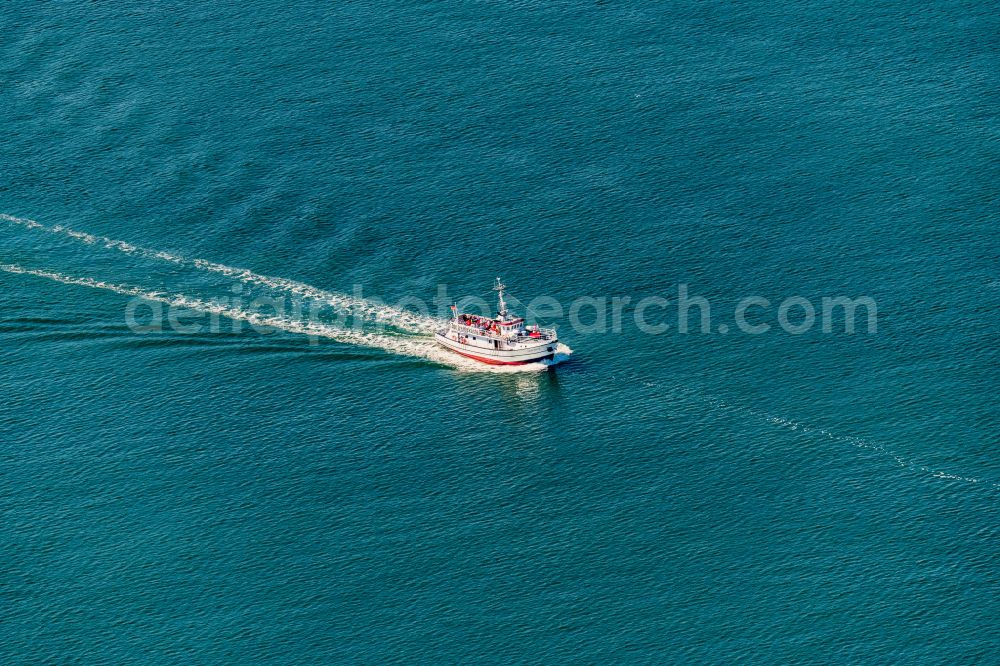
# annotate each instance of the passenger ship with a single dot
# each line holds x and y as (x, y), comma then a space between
(500, 340)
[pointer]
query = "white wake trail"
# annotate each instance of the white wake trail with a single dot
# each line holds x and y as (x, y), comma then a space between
(401, 319)
(414, 346)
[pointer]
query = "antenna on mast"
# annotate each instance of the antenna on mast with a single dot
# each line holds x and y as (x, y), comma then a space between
(501, 304)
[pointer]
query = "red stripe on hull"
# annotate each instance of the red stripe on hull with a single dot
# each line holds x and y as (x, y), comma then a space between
(493, 361)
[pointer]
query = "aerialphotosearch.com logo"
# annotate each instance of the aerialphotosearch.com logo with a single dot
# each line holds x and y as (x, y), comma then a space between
(585, 315)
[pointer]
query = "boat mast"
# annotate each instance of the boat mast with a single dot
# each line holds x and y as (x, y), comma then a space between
(501, 304)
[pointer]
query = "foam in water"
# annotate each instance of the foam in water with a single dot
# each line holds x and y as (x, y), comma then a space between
(797, 426)
(373, 311)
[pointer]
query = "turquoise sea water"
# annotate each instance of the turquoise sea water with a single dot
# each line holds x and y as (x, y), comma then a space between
(237, 497)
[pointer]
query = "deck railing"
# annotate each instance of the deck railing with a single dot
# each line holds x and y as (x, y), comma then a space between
(545, 333)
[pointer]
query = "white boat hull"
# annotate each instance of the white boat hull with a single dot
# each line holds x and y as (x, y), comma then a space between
(483, 349)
